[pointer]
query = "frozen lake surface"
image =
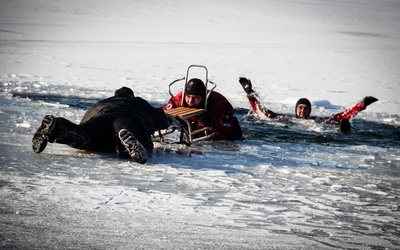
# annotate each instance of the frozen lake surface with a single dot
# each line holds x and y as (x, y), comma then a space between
(286, 186)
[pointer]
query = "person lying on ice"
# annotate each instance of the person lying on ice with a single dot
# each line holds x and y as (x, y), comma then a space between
(123, 124)
(303, 108)
(219, 113)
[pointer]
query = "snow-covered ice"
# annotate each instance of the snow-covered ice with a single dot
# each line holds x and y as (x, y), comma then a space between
(286, 186)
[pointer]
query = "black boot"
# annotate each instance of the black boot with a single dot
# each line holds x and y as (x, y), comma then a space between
(135, 149)
(46, 132)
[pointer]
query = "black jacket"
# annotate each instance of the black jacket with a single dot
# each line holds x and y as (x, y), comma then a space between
(105, 118)
(134, 107)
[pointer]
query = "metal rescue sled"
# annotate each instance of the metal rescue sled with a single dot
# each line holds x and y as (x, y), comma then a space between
(181, 116)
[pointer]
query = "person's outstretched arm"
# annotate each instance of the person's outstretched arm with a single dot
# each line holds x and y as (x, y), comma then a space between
(254, 100)
(353, 111)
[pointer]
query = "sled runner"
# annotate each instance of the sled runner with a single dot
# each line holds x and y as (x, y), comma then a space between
(180, 116)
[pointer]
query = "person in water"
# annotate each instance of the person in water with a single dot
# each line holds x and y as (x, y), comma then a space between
(219, 113)
(303, 108)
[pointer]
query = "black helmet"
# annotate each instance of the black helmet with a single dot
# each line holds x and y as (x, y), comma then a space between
(195, 87)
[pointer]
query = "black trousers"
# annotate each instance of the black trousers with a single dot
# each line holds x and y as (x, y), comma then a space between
(100, 133)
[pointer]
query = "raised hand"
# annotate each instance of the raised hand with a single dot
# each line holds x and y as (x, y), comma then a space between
(368, 100)
(246, 84)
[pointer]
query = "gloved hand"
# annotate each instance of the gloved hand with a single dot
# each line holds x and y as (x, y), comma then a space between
(368, 100)
(246, 84)
(206, 120)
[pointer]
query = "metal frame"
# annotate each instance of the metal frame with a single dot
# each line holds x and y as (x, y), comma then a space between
(180, 119)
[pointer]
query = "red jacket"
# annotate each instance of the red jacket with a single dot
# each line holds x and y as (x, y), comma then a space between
(225, 125)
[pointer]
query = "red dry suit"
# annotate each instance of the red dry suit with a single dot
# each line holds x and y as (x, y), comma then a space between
(260, 110)
(219, 111)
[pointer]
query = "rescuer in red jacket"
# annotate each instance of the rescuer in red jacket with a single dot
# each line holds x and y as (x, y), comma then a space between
(219, 113)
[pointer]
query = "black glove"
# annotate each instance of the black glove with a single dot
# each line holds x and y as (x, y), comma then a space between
(368, 100)
(206, 120)
(246, 84)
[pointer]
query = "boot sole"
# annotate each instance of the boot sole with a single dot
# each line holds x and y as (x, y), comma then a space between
(41, 137)
(133, 146)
